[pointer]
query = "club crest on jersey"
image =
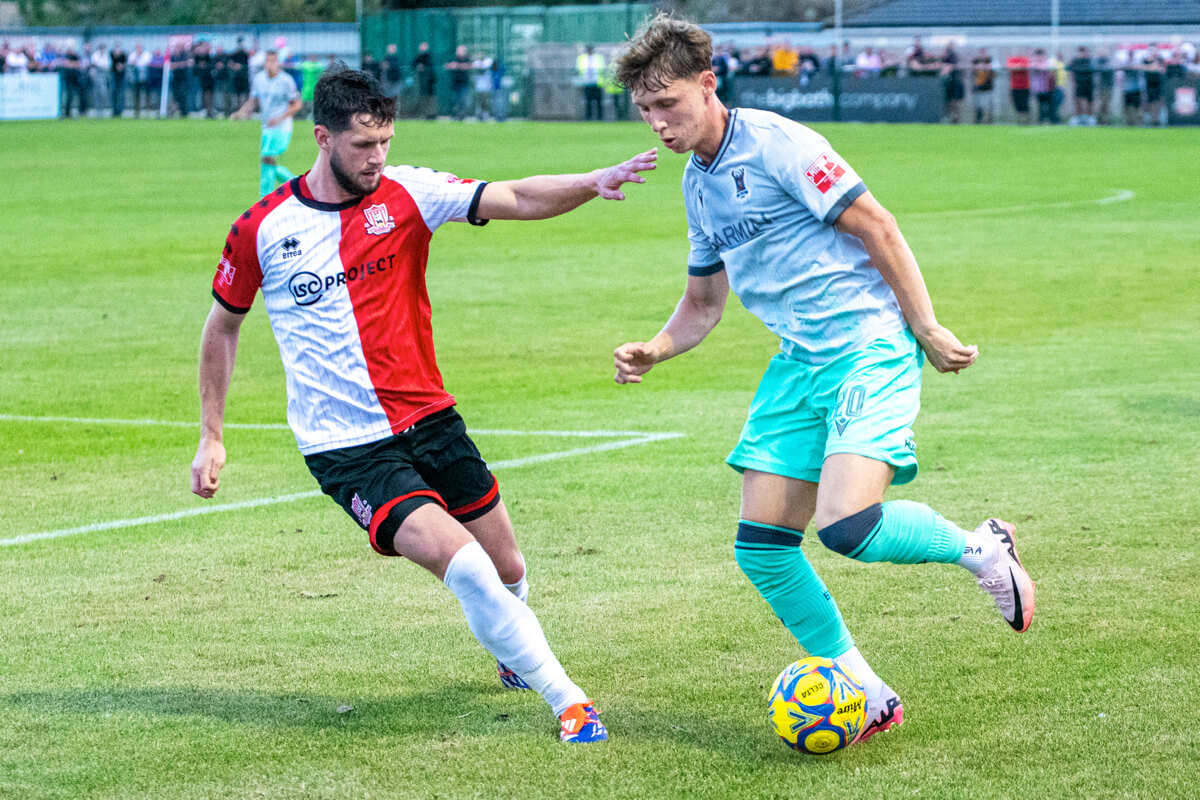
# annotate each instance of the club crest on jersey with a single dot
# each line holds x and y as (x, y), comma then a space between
(379, 221)
(739, 182)
(824, 173)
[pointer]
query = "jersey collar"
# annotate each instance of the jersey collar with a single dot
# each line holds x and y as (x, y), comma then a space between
(725, 140)
(300, 189)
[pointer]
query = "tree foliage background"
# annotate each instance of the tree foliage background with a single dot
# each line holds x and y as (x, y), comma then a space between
(186, 12)
(223, 12)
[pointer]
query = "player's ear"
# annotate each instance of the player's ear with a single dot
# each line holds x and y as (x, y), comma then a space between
(708, 82)
(322, 135)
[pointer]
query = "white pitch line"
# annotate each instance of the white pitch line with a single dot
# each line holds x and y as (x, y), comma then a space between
(1121, 196)
(155, 422)
(511, 463)
(129, 523)
(280, 426)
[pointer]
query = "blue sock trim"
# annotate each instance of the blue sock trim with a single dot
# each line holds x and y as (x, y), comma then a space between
(849, 536)
(759, 533)
(762, 548)
(779, 528)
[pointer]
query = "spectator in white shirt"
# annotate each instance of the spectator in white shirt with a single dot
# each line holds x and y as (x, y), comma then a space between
(16, 62)
(867, 64)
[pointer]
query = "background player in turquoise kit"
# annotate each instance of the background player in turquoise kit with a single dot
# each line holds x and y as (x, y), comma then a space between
(274, 93)
(776, 215)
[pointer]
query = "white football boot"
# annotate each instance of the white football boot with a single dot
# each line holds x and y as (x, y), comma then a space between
(1005, 579)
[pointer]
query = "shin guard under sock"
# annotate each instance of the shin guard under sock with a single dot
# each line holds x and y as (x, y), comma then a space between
(507, 628)
(773, 561)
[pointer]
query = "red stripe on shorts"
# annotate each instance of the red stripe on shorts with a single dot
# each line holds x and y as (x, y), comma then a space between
(379, 516)
(480, 503)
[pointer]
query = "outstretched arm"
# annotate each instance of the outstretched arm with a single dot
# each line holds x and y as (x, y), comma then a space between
(247, 110)
(218, 349)
(292, 109)
(890, 254)
(544, 196)
(697, 314)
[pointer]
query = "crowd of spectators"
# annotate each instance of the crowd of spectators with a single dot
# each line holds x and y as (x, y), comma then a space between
(478, 84)
(1123, 85)
(1129, 78)
(99, 79)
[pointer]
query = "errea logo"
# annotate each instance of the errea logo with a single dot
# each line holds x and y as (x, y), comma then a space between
(291, 247)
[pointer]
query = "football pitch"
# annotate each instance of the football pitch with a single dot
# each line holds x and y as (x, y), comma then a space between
(155, 645)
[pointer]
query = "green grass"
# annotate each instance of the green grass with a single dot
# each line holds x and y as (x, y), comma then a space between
(208, 657)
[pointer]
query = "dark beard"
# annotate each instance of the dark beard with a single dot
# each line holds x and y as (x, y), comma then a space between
(346, 181)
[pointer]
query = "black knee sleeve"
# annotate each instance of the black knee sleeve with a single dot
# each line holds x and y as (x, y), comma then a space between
(846, 535)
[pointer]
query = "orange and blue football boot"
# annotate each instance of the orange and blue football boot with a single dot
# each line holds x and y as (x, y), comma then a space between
(581, 724)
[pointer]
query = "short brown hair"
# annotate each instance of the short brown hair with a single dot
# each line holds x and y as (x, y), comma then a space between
(341, 94)
(665, 50)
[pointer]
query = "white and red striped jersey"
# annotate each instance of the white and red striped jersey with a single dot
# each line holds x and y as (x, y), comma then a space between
(344, 287)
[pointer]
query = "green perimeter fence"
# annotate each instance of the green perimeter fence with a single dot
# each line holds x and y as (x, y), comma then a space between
(525, 39)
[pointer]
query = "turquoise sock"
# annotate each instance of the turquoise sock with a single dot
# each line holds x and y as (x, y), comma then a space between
(902, 532)
(283, 174)
(266, 179)
(773, 561)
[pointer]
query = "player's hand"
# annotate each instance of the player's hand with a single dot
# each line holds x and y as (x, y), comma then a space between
(633, 360)
(210, 458)
(609, 180)
(945, 352)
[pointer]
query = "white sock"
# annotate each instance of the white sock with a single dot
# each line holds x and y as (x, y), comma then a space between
(520, 589)
(507, 628)
(977, 551)
(854, 661)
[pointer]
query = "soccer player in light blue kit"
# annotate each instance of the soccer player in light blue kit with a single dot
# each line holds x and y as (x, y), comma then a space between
(778, 216)
(274, 93)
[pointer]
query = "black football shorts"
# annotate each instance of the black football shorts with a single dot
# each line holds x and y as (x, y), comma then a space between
(380, 483)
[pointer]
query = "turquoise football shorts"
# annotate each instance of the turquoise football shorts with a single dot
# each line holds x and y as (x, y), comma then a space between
(862, 402)
(274, 142)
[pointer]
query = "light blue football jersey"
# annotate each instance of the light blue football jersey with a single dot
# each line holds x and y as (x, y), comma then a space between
(274, 95)
(763, 211)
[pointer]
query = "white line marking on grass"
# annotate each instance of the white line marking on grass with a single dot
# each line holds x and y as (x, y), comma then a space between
(157, 422)
(129, 523)
(281, 426)
(639, 438)
(1121, 196)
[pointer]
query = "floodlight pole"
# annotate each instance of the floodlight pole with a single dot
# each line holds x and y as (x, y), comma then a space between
(1054, 28)
(837, 25)
(358, 14)
(164, 97)
(837, 61)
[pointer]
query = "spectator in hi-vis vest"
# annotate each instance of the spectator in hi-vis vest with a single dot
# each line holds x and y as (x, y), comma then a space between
(589, 70)
(616, 92)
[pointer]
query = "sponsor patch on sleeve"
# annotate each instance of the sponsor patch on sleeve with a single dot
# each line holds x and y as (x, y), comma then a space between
(225, 272)
(824, 173)
(456, 179)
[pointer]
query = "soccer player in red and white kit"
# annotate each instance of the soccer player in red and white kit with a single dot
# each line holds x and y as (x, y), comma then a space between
(339, 255)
